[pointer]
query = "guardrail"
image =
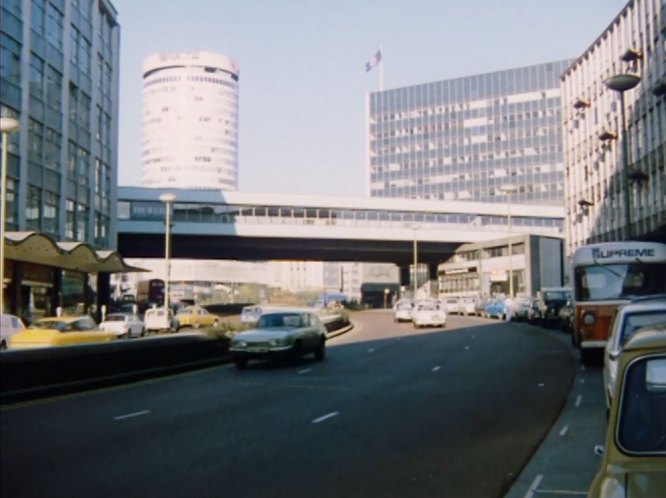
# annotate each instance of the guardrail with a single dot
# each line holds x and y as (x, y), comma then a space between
(37, 373)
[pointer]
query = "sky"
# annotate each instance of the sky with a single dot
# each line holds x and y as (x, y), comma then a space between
(303, 82)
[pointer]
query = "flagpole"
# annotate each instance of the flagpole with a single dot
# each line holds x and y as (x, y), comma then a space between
(381, 70)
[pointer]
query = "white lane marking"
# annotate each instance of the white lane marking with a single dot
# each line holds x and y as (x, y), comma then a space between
(304, 371)
(435, 369)
(371, 350)
(564, 430)
(534, 486)
(582, 381)
(130, 415)
(578, 400)
(325, 417)
(541, 384)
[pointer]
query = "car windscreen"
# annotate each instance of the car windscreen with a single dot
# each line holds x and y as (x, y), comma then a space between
(292, 320)
(641, 427)
(634, 321)
(51, 325)
(115, 318)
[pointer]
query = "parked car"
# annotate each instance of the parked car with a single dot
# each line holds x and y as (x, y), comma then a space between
(520, 308)
(466, 306)
(429, 314)
(9, 326)
(195, 317)
(479, 306)
(567, 316)
(280, 333)
(402, 311)
(451, 305)
(494, 308)
(159, 320)
(250, 314)
(551, 299)
(123, 325)
(60, 331)
(634, 455)
(627, 320)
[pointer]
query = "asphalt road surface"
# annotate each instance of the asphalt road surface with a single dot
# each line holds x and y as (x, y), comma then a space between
(391, 412)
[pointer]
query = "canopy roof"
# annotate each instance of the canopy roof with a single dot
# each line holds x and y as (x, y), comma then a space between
(33, 247)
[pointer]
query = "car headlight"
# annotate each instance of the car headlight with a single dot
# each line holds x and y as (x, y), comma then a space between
(612, 488)
(239, 344)
(284, 341)
(589, 318)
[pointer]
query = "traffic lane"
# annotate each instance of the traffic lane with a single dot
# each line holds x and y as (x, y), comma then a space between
(359, 424)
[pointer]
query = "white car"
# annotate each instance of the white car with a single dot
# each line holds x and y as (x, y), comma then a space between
(429, 314)
(642, 312)
(123, 325)
(466, 306)
(451, 304)
(402, 311)
(9, 325)
(159, 320)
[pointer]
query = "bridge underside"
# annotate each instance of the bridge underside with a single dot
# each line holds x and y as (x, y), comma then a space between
(222, 247)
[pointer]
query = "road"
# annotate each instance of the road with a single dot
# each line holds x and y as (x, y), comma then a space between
(391, 412)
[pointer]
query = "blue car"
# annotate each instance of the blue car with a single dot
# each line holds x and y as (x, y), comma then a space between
(494, 308)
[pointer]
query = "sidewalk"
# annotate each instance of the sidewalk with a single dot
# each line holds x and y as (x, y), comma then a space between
(565, 463)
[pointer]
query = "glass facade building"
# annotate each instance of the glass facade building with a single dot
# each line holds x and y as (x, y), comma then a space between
(463, 139)
(59, 63)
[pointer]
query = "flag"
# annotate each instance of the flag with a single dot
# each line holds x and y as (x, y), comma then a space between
(376, 59)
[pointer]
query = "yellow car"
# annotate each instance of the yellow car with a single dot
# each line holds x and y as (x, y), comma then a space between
(59, 331)
(634, 458)
(195, 317)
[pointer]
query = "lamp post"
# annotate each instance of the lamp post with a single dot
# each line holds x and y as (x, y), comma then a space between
(416, 262)
(7, 126)
(509, 190)
(167, 199)
(621, 83)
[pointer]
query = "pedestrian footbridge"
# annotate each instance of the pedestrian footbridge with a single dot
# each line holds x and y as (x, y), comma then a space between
(210, 224)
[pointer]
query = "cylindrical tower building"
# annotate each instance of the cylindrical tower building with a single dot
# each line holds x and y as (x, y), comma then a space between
(190, 121)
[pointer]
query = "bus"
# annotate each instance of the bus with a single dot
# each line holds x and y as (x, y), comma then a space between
(605, 276)
(149, 293)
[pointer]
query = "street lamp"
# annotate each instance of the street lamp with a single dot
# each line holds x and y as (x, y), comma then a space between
(7, 126)
(621, 83)
(168, 200)
(508, 190)
(416, 262)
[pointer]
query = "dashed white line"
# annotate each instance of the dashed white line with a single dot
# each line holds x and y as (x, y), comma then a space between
(435, 369)
(564, 430)
(534, 486)
(578, 400)
(371, 350)
(325, 417)
(304, 371)
(130, 415)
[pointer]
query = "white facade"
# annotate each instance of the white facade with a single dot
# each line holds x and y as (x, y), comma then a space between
(596, 182)
(190, 121)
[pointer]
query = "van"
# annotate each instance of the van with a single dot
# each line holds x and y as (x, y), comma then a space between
(159, 320)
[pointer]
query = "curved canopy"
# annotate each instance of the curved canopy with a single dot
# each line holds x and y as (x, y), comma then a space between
(33, 247)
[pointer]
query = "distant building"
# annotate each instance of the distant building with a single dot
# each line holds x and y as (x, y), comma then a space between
(190, 121)
(596, 180)
(465, 138)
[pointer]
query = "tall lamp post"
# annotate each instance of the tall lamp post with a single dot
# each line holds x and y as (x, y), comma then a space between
(509, 190)
(416, 262)
(168, 200)
(7, 126)
(621, 83)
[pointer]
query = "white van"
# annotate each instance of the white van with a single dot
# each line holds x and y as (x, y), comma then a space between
(158, 320)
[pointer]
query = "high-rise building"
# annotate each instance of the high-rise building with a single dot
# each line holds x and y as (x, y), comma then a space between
(59, 79)
(605, 195)
(466, 138)
(190, 121)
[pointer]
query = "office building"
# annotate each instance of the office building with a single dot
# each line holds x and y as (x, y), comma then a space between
(604, 196)
(465, 138)
(59, 79)
(190, 121)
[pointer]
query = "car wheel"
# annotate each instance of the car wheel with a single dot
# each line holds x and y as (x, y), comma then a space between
(241, 363)
(587, 356)
(142, 333)
(3, 344)
(320, 352)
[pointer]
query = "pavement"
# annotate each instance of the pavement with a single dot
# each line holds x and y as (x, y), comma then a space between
(565, 462)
